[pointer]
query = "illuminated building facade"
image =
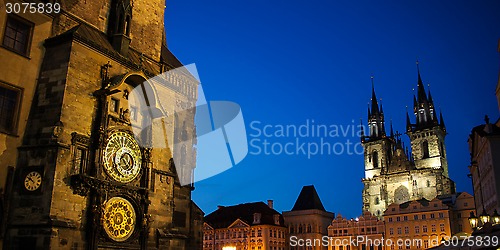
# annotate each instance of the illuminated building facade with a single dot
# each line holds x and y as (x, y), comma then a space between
(392, 173)
(367, 227)
(250, 226)
(422, 224)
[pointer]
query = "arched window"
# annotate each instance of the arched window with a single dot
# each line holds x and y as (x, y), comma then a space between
(300, 229)
(377, 201)
(375, 159)
(309, 228)
(425, 149)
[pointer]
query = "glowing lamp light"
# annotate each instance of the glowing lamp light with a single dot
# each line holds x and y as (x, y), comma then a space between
(473, 220)
(484, 217)
(228, 248)
(495, 218)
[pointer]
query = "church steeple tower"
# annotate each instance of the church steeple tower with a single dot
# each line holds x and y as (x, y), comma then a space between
(427, 133)
(376, 121)
(377, 145)
(423, 106)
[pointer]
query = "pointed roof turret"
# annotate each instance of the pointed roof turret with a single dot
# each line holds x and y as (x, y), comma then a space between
(431, 102)
(375, 108)
(392, 130)
(441, 121)
(408, 122)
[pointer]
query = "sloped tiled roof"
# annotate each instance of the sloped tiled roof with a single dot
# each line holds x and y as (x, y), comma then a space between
(223, 217)
(308, 199)
(100, 41)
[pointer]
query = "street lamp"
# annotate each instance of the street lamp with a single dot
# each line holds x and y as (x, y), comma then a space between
(484, 217)
(473, 220)
(495, 218)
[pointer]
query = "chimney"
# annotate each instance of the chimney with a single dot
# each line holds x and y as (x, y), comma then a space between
(270, 203)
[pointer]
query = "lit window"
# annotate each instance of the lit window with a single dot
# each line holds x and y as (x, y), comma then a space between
(17, 35)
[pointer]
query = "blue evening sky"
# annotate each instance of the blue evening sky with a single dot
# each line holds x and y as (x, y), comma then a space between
(289, 62)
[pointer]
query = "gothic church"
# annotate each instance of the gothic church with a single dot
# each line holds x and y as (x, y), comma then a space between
(392, 173)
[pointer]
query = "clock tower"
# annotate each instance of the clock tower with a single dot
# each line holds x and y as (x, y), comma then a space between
(87, 174)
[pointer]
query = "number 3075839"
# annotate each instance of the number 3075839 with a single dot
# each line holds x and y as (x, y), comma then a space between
(33, 8)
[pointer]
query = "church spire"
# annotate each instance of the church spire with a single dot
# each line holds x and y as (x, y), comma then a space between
(392, 131)
(375, 108)
(441, 121)
(408, 122)
(423, 106)
(375, 116)
(422, 97)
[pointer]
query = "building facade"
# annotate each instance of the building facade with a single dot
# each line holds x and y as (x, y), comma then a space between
(423, 224)
(367, 231)
(308, 219)
(81, 176)
(484, 145)
(392, 173)
(250, 226)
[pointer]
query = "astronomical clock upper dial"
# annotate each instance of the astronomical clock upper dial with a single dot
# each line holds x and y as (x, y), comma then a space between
(32, 181)
(122, 157)
(119, 219)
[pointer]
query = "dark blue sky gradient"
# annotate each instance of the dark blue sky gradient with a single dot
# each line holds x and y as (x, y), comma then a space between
(285, 62)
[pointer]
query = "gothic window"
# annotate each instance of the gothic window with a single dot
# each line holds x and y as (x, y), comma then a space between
(309, 228)
(375, 159)
(425, 149)
(300, 229)
(377, 201)
(428, 183)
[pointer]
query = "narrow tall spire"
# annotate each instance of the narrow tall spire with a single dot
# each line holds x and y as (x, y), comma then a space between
(441, 121)
(375, 108)
(408, 122)
(392, 131)
(431, 102)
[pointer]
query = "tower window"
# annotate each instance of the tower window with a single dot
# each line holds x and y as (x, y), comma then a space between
(375, 159)
(425, 149)
(377, 201)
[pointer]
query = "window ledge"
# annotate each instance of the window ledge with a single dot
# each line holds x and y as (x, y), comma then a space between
(16, 52)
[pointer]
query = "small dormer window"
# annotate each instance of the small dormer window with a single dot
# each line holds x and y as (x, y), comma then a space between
(256, 218)
(276, 219)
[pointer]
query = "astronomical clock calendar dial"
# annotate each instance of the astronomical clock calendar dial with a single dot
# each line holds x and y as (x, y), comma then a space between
(119, 219)
(32, 181)
(122, 157)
